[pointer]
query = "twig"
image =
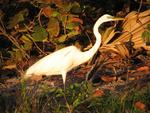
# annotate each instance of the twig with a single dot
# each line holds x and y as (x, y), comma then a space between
(39, 16)
(86, 34)
(36, 45)
(140, 6)
(2, 24)
(67, 104)
(13, 40)
(65, 24)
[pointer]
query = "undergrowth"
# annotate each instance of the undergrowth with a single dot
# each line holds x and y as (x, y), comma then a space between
(77, 98)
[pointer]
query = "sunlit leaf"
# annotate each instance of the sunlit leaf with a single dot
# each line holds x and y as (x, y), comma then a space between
(39, 34)
(19, 17)
(53, 27)
(55, 14)
(122, 50)
(133, 29)
(108, 35)
(62, 38)
(11, 66)
(27, 42)
(25, 39)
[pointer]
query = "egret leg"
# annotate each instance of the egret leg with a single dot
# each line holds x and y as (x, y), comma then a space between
(64, 82)
(64, 79)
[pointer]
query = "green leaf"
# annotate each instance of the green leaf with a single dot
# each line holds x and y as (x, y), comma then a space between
(71, 25)
(62, 38)
(69, 35)
(53, 27)
(25, 39)
(148, 27)
(19, 17)
(66, 7)
(27, 42)
(27, 46)
(16, 54)
(146, 35)
(76, 9)
(55, 14)
(76, 102)
(39, 34)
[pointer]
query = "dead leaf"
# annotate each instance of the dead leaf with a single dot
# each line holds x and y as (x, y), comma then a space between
(108, 35)
(35, 78)
(47, 11)
(44, 1)
(107, 78)
(1, 14)
(74, 19)
(144, 68)
(122, 50)
(77, 28)
(58, 2)
(132, 29)
(98, 93)
(140, 105)
(11, 66)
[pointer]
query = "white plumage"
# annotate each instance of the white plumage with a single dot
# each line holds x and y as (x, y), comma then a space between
(63, 60)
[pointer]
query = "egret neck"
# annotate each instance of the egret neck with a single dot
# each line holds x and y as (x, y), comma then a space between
(90, 53)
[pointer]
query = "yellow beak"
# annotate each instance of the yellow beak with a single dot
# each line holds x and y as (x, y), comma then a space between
(118, 18)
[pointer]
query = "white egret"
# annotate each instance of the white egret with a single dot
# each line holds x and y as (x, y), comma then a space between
(63, 60)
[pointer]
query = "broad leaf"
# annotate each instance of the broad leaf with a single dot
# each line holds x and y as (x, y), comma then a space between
(39, 34)
(67, 36)
(76, 9)
(146, 35)
(108, 35)
(25, 39)
(27, 46)
(71, 26)
(47, 11)
(19, 17)
(27, 42)
(53, 27)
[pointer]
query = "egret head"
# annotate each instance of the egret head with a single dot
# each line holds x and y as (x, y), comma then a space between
(107, 17)
(102, 19)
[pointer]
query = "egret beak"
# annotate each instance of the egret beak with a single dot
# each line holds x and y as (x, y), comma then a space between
(117, 18)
